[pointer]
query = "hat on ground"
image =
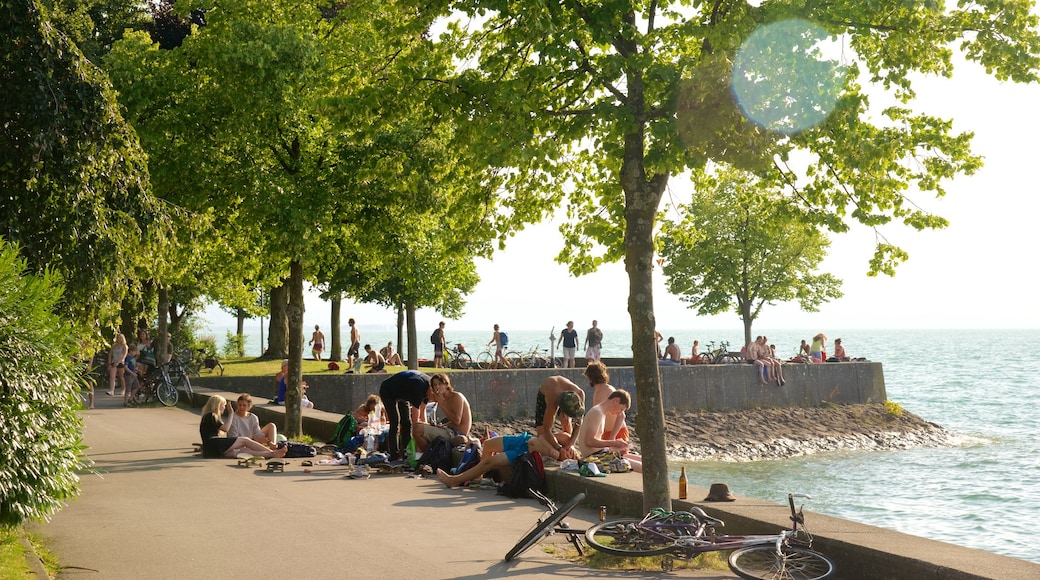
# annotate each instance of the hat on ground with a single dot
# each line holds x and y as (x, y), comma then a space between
(719, 492)
(570, 404)
(333, 366)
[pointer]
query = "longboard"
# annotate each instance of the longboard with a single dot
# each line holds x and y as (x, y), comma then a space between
(247, 460)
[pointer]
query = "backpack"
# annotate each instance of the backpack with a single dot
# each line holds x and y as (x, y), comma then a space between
(345, 429)
(433, 338)
(437, 455)
(300, 450)
(528, 473)
(503, 338)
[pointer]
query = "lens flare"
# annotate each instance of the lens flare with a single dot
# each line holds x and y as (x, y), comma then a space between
(781, 80)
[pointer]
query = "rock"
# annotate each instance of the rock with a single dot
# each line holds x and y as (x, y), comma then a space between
(780, 432)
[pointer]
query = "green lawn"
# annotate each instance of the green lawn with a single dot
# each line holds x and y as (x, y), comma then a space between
(252, 367)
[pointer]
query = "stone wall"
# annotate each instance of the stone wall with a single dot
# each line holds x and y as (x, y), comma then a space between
(502, 394)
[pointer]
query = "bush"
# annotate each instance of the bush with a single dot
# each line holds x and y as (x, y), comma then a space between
(39, 394)
(234, 346)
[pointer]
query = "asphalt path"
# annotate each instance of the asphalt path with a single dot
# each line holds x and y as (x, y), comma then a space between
(152, 508)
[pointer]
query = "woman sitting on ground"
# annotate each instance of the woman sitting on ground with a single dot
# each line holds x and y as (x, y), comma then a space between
(391, 357)
(215, 446)
(371, 405)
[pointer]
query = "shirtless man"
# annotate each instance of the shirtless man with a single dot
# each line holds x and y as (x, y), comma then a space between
(355, 344)
(559, 396)
(375, 360)
(317, 343)
(775, 366)
(672, 356)
(599, 379)
(591, 437)
(499, 452)
(753, 354)
(455, 407)
(390, 356)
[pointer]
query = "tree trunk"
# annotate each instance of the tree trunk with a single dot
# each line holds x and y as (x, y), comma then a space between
(240, 330)
(400, 329)
(413, 343)
(161, 340)
(278, 331)
(293, 381)
(335, 321)
(642, 196)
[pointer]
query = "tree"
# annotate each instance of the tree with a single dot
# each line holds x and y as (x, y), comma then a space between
(738, 248)
(601, 103)
(39, 394)
(77, 198)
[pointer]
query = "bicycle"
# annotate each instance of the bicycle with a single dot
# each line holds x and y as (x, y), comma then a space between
(786, 555)
(720, 355)
(486, 359)
(689, 534)
(179, 372)
(550, 523)
(156, 383)
(457, 357)
(536, 359)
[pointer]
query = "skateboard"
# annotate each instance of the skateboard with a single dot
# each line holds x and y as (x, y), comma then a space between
(247, 460)
(276, 465)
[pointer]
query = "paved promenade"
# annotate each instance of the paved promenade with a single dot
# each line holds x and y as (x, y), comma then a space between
(157, 510)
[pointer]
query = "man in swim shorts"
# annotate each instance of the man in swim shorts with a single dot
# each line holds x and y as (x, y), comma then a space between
(559, 396)
(499, 452)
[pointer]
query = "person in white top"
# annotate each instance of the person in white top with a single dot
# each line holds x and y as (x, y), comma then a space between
(591, 436)
(243, 423)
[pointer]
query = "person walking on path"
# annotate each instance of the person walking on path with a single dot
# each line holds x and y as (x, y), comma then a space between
(569, 339)
(317, 343)
(500, 343)
(354, 353)
(593, 343)
(116, 363)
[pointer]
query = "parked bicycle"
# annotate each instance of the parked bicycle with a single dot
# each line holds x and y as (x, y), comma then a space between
(156, 384)
(486, 359)
(456, 357)
(179, 374)
(536, 359)
(720, 355)
(785, 555)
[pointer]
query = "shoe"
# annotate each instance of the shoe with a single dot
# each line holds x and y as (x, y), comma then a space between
(590, 470)
(110, 393)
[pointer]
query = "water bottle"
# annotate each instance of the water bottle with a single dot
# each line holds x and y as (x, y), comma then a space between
(370, 440)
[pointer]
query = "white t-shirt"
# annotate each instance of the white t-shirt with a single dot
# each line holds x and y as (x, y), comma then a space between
(248, 426)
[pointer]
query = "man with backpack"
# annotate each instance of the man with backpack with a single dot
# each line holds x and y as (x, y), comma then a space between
(499, 452)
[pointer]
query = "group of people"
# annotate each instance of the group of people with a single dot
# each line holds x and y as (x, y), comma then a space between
(241, 428)
(817, 352)
(569, 339)
(127, 363)
(602, 428)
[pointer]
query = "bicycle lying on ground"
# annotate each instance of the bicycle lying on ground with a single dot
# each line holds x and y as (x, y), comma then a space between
(786, 555)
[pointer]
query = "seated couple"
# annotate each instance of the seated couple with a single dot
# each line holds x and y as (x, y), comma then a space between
(214, 446)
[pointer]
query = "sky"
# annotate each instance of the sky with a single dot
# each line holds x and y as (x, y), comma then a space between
(976, 273)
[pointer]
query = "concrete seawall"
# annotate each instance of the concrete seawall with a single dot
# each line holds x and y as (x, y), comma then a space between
(502, 394)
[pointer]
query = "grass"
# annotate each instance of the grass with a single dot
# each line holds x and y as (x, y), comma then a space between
(254, 367)
(599, 561)
(13, 556)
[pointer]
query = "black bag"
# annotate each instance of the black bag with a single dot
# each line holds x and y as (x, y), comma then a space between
(300, 450)
(433, 338)
(437, 455)
(528, 473)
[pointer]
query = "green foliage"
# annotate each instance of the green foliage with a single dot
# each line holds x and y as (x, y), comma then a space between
(76, 195)
(234, 346)
(39, 392)
(741, 245)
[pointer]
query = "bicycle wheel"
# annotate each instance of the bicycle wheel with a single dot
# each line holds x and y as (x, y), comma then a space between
(515, 359)
(461, 361)
(185, 385)
(543, 528)
(763, 562)
(625, 537)
(167, 393)
(485, 360)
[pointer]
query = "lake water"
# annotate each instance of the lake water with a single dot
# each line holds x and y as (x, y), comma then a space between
(984, 493)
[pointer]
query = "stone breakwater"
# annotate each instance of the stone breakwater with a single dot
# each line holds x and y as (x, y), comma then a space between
(779, 433)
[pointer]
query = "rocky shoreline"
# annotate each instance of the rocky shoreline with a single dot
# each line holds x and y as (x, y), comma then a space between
(781, 433)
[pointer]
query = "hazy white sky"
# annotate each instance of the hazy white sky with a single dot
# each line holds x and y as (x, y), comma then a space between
(977, 273)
